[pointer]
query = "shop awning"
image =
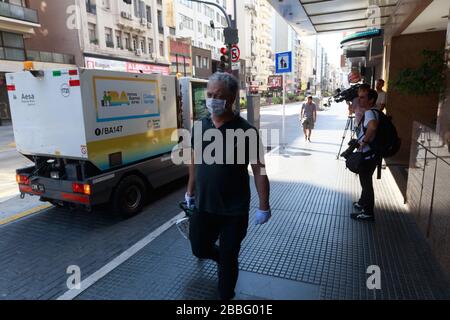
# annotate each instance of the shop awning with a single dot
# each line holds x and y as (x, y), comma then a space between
(310, 17)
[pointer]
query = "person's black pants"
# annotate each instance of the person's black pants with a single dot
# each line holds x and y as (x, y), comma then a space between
(204, 230)
(367, 199)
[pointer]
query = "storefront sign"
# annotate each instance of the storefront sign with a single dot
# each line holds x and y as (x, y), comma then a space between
(124, 66)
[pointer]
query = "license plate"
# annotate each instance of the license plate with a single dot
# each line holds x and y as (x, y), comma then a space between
(37, 187)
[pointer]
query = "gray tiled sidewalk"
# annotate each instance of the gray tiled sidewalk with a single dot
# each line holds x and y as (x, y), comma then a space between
(310, 245)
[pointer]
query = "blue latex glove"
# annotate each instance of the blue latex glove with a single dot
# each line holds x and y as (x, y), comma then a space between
(262, 216)
(190, 200)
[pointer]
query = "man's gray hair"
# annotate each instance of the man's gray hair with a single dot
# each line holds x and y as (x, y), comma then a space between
(230, 81)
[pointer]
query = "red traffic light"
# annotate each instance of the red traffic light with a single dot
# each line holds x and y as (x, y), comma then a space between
(224, 51)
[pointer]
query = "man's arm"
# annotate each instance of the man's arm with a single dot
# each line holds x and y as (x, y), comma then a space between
(370, 132)
(301, 113)
(315, 114)
(262, 185)
(191, 182)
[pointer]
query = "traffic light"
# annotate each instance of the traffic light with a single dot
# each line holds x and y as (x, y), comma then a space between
(225, 59)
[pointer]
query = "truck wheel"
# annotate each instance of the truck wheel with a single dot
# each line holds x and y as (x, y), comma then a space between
(129, 196)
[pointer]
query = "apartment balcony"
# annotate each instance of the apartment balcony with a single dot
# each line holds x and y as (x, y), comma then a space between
(18, 19)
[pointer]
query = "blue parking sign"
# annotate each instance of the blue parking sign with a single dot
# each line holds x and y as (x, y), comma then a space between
(283, 62)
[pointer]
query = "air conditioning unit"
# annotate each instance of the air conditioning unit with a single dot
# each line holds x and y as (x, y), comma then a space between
(123, 14)
(143, 21)
(138, 52)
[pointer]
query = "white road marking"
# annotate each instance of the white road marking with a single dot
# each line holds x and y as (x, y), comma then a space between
(127, 254)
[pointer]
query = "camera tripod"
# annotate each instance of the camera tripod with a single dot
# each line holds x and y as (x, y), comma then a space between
(348, 126)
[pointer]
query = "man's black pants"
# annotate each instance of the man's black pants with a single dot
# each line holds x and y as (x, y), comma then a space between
(204, 230)
(367, 200)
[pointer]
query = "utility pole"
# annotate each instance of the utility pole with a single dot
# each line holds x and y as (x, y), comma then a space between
(315, 74)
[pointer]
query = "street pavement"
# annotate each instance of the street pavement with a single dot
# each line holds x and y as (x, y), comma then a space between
(10, 160)
(310, 249)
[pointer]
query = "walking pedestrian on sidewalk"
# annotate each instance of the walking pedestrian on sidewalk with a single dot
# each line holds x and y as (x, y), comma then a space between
(308, 117)
(221, 190)
(366, 134)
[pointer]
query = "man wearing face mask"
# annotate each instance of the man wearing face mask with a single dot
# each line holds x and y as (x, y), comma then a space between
(221, 190)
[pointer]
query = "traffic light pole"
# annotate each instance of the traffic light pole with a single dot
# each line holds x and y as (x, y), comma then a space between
(231, 38)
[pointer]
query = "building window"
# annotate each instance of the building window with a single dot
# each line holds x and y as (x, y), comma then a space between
(172, 31)
(91, 7)
(92, 28)
(160, 22)
(205, 61)
(127, 41)
(149, 14)
(150, 46)
(187, 22)
(119, 39)
(200, 25)
(107, 4)
(209, 12)
(12, 46)
(109, 38)
(161, 48)
(136, 8)
(197, 61)
(135, 43)
(159, 2)
(186, 3)
(143, 48)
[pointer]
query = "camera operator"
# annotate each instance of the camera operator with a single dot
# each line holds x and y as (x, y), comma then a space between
(354, 107)
(366, 134)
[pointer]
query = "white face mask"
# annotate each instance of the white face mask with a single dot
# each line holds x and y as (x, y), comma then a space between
(216, 107)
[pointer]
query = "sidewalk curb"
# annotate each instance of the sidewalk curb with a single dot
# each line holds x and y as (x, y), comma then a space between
(24, 214)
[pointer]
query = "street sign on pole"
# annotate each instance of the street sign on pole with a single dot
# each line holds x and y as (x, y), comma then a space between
(235, 53)
(283, 65)
(283, 62)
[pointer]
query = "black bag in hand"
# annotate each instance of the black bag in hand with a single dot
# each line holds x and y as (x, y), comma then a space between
(353, 162)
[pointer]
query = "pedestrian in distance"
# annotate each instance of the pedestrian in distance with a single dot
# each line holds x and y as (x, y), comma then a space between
(308, 117)
(220, 191)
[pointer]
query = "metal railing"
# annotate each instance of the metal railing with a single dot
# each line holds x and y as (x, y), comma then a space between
(17, 12)
(427, 151)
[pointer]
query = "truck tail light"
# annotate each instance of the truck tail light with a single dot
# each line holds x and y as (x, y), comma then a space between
(81, 188)
(21, 179)
(74, 83)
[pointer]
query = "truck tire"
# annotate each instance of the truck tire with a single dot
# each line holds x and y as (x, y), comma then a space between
(129, 196)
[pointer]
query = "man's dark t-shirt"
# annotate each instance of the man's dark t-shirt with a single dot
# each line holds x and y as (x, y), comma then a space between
(224, 188)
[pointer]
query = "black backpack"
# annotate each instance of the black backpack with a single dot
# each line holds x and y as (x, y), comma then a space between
(387, 142)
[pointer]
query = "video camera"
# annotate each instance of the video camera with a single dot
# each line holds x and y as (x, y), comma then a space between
(348, 94)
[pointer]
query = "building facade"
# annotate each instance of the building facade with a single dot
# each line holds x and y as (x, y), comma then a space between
(200, 23)
(254, 22)
(106, 34)
(18, 23)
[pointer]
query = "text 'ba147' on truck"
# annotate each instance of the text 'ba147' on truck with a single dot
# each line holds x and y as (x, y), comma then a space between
(99, 136)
